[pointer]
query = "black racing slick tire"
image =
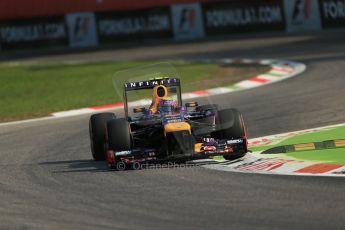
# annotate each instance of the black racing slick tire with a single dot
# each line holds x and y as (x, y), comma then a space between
(97, 127)
(119, 137)
(230, 125)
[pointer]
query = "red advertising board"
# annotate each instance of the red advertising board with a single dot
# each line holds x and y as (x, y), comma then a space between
(13, 9)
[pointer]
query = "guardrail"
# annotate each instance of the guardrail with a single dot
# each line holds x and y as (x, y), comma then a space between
(186, 21)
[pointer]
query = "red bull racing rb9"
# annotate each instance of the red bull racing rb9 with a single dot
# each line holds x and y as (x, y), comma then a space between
(165, 131)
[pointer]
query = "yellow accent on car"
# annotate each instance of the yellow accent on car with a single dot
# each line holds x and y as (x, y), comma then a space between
(155, 91)
(197, 147)
(177, 126)
(156, 98)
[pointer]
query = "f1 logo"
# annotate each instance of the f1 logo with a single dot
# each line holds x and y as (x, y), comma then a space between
(81, 27)
(301, 11)
(187, 19)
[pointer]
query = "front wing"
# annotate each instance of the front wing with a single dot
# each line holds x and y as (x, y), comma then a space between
(207, 148)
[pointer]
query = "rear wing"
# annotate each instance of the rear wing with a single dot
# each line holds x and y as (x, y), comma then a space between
(150, 84)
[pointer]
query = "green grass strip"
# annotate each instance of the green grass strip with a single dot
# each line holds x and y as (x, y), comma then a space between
(275, 74)
(35, 90)
(327, 155)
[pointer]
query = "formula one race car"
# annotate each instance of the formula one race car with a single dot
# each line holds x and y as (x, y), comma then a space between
(165, 130)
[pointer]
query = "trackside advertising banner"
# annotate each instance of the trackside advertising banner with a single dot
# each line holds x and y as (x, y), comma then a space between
(82, 30)
(332, 13)
(243, 16)
(187, 21)
(33, 33)
(153, 24)
(302, 15)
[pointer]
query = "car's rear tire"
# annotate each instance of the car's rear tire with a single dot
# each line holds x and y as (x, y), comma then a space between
(97, 126)
(230, 125)
(119, 138)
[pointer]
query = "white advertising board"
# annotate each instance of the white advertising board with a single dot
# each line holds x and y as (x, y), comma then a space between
(302, 15)
(82, 29)
(187, 21)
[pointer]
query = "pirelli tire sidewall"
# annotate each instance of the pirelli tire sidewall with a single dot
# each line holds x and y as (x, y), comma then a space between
(97, 127)
(118, 135)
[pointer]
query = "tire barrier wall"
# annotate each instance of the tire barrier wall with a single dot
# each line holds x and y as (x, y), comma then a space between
(183, 21)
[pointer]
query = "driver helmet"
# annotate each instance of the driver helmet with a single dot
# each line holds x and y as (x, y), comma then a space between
(166, 105)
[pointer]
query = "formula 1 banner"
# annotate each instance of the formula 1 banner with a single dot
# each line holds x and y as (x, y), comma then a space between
(302, 15)
(187, 21)
(33, 33)
(332, 13)
(149, 24)
(82, 30)
(243, 16)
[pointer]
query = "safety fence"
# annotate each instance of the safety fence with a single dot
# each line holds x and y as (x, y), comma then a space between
(181, 21)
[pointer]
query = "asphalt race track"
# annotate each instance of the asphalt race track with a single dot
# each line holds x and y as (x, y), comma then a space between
(48, 181)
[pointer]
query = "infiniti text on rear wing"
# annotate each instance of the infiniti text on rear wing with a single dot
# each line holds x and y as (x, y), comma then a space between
(151, 83)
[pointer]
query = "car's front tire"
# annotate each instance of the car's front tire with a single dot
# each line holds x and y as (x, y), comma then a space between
(97, 126)
(119, 137)
(230, 125)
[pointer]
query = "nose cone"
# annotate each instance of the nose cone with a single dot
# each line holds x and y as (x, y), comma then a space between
(176, 127)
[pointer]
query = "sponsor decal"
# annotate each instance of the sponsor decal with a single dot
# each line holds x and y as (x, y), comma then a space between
(242, 16)
(134, 25)
(229, 142)
(301, 11)
(173, 119)
(208, 140)
(302, 15)
(166, 102)
(82, 29)
(263, 164)
(209, 148)
(332, 13)
(187, 21)
(259, 142)
(151, 84)
(334, 9)
(275, 139)
(38, 32)
(32, 32)
(123, 153)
